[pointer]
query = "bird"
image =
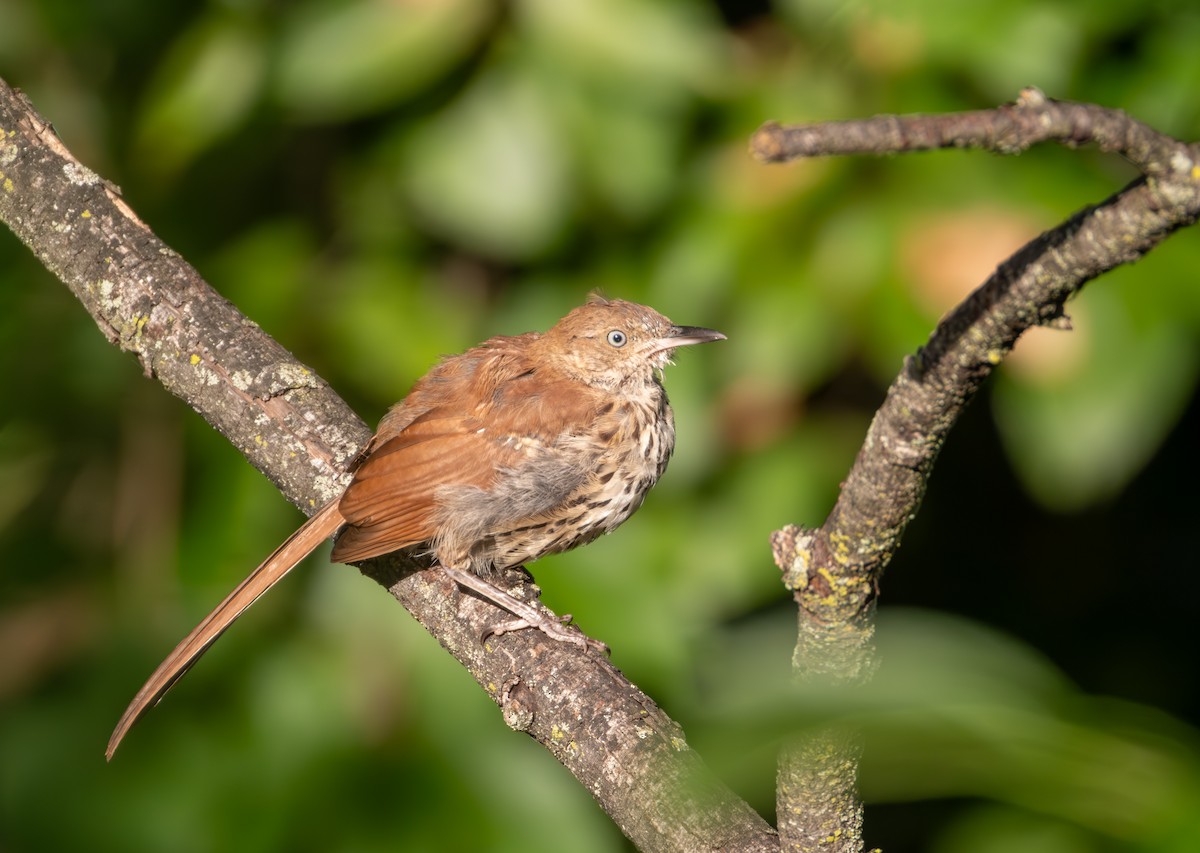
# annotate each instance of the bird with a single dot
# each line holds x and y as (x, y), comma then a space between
(520, 447)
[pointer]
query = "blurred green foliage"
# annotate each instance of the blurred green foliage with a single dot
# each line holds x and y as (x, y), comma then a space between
(377, 183)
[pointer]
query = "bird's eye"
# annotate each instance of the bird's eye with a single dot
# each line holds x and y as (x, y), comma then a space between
(617, 338)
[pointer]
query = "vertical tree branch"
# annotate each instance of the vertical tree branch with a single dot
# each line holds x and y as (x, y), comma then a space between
(834, 571)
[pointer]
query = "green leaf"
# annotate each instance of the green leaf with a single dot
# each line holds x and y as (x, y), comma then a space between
(338, 60)
(203, 91)
(491, 172)
(1078, 436)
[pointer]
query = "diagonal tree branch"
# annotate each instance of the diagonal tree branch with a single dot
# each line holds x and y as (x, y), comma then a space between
(291, 426)
(834, 572)
(632, 757)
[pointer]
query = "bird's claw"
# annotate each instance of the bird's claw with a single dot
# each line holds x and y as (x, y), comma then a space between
(528, 616)
(559, 629)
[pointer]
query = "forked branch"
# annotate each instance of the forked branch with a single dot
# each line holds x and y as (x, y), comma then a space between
(834, 571)
(291, 426)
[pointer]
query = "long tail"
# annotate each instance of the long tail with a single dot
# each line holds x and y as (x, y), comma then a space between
(299, 545)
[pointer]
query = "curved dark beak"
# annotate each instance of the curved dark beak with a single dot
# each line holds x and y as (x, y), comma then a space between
(682, 336)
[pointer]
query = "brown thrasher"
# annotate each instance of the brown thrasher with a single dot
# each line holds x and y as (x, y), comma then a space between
(520, 447)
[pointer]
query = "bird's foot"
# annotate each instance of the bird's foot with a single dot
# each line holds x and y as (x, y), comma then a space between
(556, 629)
(527, 615)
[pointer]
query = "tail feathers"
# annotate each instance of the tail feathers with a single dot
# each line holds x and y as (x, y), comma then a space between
(272, 570)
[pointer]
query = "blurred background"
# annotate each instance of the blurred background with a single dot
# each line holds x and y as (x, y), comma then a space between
(379, 182)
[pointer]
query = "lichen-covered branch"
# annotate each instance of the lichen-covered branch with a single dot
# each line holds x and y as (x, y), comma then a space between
(149, 301)
(834, 571)
(296, 430)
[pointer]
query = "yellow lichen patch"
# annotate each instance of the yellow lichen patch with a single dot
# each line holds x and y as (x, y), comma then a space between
(840, 545)
(557, 733)
(260, 441)
(195, 359)
(87, 214)
(836, 591)
(8, 184)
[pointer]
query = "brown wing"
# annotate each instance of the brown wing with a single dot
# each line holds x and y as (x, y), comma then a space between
(390, 503)
(472, 416)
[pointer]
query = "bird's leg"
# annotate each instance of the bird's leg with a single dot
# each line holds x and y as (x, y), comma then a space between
(527, 615)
